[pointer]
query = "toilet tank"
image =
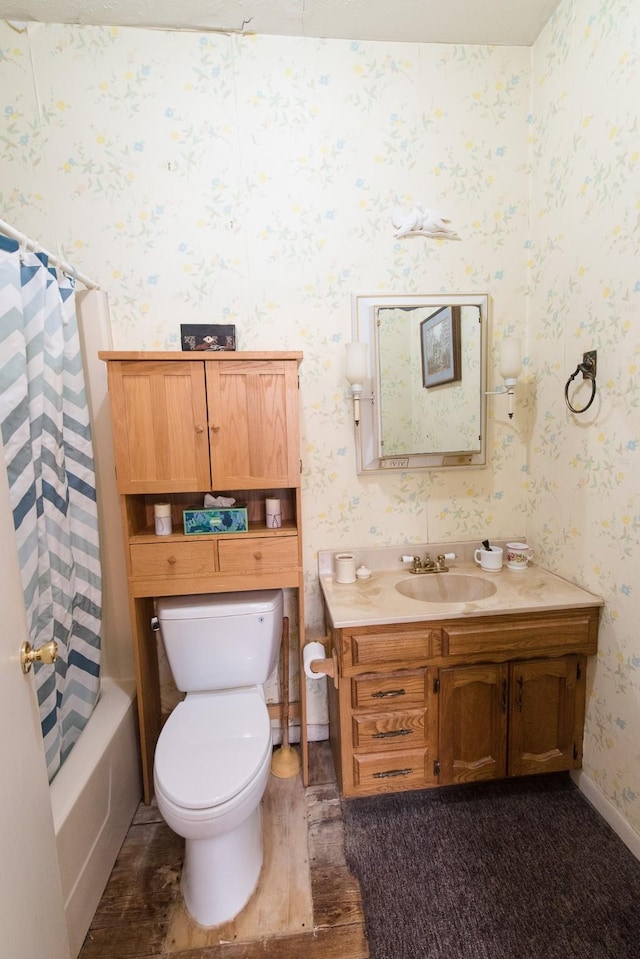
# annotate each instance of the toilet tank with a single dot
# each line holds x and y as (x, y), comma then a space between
(221, 640)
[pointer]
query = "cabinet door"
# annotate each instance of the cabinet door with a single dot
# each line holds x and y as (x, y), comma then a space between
(542, 709)
(159, 426)
(253, 424)
(473, 723)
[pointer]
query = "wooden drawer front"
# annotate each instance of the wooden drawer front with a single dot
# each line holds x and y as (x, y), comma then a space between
(577, 631)
(390, 730)
(407, 646)
(391, 771)
(391, 690)
(172, 559)
(254, 555)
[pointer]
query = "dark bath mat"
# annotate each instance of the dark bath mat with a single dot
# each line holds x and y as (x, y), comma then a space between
(522, 869)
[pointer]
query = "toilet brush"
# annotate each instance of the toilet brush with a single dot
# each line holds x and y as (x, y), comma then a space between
(285, 761)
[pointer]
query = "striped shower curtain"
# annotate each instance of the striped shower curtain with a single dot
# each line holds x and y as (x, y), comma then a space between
(48, 455)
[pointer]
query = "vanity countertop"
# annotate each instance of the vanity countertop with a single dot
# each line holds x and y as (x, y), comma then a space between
(376, 602)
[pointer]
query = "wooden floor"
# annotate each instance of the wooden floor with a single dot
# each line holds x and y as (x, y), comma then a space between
(307, 903)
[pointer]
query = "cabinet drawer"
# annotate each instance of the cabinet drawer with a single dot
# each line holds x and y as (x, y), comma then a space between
(528, 635)
(384, 646)
(404, 688)
(391, 771)
(390, 730)
(172, 559)
(256, 555)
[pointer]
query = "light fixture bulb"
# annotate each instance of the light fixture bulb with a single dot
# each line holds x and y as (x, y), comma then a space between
(510, 360)
(356, 362)
(356, 373)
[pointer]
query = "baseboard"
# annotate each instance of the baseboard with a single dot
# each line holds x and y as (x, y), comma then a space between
(608, 811)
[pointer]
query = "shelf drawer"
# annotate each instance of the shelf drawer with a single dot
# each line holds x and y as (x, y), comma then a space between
(388, 772)
(390, 730)
(257, 555)
(172, 559)
(389, 690)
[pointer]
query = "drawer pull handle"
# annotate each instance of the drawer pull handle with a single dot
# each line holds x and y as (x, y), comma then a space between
(389, 773)
(393, 733)
(257, 555)
(387, 693)
(172, 561)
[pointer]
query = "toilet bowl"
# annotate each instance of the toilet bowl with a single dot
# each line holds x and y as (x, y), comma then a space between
(213, 756)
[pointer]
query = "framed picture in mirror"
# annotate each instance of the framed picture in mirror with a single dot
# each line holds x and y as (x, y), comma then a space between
(440, 347)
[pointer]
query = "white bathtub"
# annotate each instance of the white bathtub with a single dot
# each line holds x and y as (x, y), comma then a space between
(94, 797)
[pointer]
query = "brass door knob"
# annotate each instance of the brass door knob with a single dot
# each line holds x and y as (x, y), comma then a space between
(44, 654)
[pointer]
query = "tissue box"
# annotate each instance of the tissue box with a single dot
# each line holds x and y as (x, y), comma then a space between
(215, 519)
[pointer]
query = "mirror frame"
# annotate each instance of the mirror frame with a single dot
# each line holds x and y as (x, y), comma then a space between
(369, 432)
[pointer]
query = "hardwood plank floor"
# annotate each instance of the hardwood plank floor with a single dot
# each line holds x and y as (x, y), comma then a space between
(307, 903)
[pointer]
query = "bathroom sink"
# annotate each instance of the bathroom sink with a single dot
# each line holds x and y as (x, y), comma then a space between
(446, 588)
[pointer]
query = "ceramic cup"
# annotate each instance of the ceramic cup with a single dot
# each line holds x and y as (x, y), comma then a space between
(518, 555)
(345, 568)
(489, 559)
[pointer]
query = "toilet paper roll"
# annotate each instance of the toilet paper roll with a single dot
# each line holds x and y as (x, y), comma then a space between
(310, 652)
(345, 568)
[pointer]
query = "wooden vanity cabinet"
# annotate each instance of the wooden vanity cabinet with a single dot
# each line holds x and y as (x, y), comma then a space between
(428, 704)
(189, 423)
(509, 720)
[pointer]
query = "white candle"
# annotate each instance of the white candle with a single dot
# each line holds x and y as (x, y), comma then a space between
(273, 513)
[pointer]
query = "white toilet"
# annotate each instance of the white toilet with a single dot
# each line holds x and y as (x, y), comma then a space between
(213, 756)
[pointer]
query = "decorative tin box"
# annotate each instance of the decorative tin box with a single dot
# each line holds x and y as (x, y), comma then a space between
(216, 519)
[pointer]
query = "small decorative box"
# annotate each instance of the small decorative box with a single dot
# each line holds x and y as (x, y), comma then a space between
(216, 519)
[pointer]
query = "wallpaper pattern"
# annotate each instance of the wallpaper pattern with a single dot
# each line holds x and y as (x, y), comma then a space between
(584, 262)
(206, 178)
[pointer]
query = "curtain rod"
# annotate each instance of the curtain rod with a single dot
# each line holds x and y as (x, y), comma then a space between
(35, 247)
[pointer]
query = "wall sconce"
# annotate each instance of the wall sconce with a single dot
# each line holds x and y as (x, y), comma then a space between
(509, 368)
(356, 373)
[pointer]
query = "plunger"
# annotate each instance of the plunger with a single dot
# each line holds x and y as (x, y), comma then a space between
(285, 761)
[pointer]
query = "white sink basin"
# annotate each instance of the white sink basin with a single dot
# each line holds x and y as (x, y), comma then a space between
(446, 588)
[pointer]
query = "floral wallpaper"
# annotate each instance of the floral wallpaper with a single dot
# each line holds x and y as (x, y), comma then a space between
(581, 483)
(252, 180)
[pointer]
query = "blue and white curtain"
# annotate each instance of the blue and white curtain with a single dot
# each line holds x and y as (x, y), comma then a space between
(48, 454)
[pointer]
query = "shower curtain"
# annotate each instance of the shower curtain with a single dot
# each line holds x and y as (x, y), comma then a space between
(48, 455)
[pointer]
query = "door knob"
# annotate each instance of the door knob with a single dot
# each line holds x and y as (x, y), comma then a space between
(44, 654)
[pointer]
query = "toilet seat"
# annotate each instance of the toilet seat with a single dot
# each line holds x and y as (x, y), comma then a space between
(212, 747)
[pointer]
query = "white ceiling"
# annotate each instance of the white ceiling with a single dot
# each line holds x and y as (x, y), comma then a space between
(511, 22)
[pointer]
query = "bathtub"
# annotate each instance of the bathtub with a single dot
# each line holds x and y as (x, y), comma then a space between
(94, 797)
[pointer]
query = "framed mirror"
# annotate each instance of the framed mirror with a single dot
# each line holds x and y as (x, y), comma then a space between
(423, 404)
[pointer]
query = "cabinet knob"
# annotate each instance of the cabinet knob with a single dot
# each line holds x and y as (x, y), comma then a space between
(172, 561)
(199, 428)
(257, 555)
(214, 429)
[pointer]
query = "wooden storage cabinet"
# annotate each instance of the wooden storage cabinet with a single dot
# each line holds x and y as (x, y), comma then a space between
(509, 720)
(384, 716)
(185, 424)
(159, 414)
(477, 703)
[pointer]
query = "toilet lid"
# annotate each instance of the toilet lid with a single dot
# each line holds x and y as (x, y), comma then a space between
(211, 747)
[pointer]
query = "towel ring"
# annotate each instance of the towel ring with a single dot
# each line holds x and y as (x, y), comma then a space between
(588, 370)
